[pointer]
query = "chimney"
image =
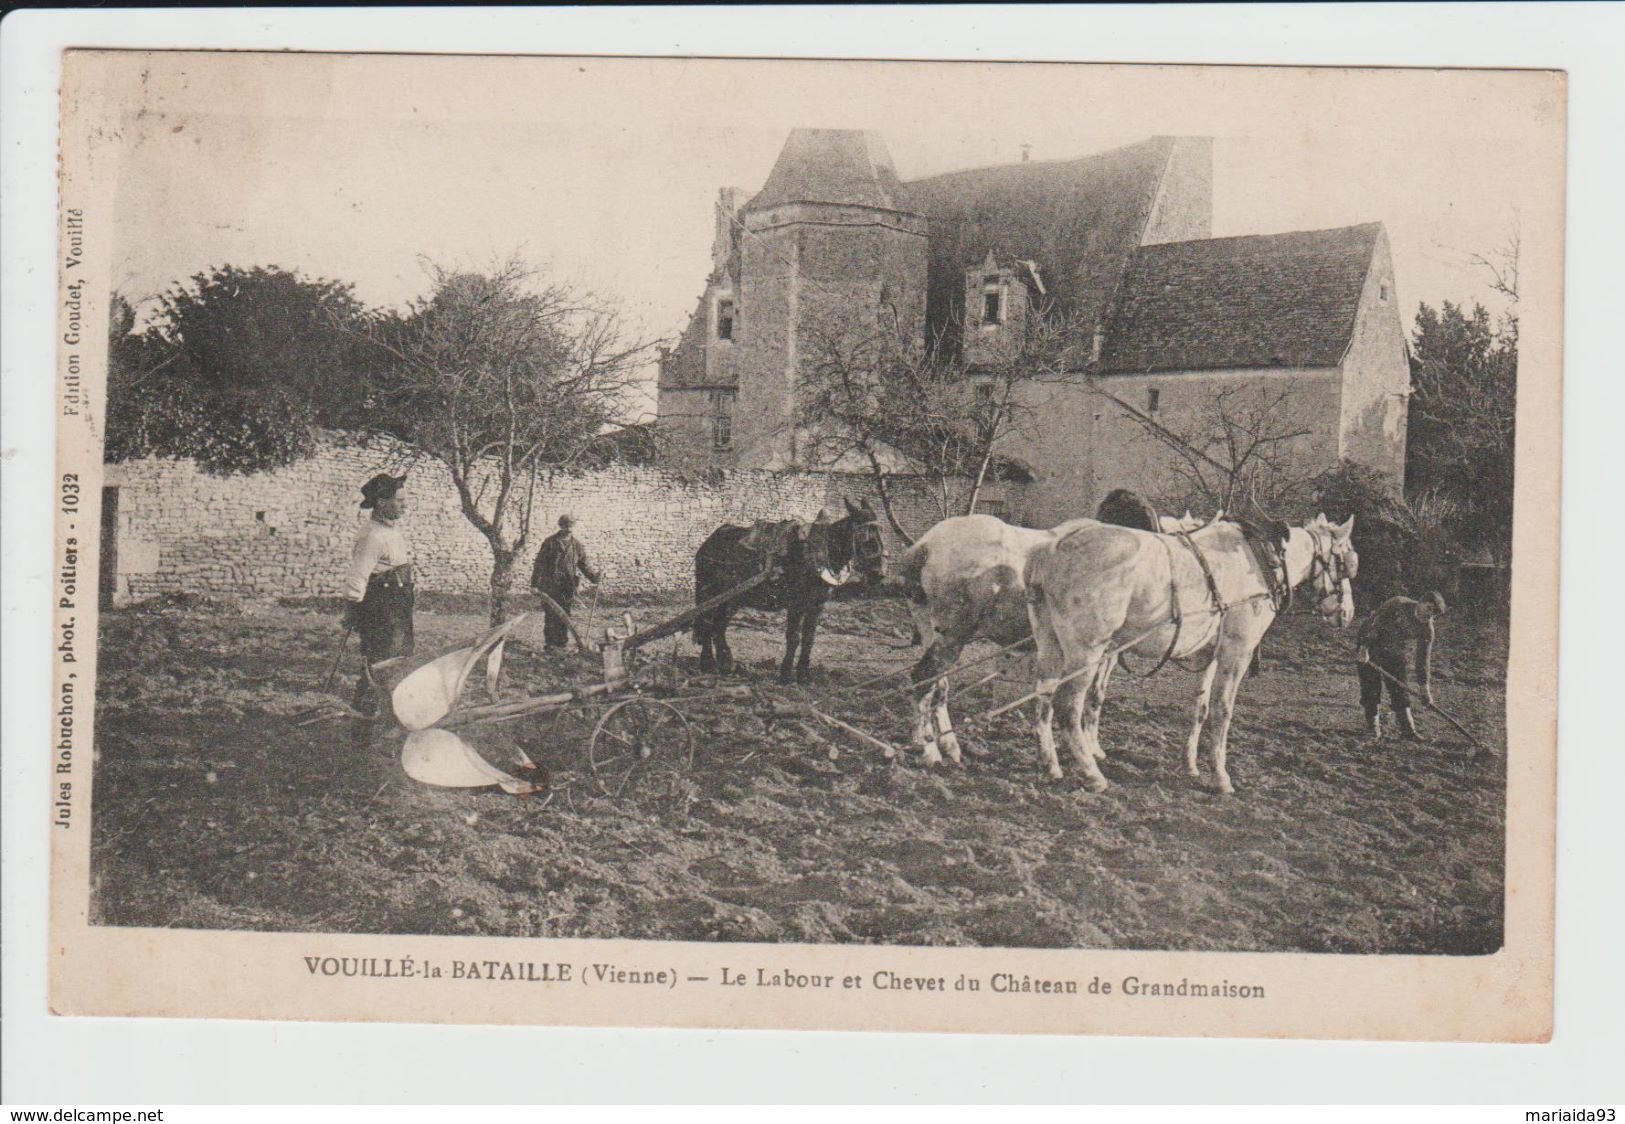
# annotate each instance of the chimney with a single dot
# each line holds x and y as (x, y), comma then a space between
(1026, 153)
(724, 243)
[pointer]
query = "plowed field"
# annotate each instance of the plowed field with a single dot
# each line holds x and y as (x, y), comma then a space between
(216, 809)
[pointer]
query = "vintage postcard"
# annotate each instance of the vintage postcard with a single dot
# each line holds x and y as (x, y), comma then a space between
(806, 544)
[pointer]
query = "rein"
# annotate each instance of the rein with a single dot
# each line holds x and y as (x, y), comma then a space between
(1111, 653)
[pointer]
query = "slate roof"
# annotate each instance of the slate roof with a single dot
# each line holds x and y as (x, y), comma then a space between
(1273, 300)
(1080, 220)
(847, 166)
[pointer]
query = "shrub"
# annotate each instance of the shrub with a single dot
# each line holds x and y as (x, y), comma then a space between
(1405, 546)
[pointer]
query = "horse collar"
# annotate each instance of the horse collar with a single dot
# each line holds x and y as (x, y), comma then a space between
(1272, 563)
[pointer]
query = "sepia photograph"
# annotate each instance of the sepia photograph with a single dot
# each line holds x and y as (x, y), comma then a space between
(752, 542)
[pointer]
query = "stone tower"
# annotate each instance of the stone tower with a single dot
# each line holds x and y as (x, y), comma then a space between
(828, 253)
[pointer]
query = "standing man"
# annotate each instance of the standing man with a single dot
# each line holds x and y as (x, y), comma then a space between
(560, 564)
(379, 587)
(1384, 638)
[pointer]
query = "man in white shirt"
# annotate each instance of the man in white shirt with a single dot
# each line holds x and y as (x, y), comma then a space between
(379, 587)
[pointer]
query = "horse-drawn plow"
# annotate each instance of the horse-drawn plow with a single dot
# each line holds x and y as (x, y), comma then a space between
(642, 735)
(643, 732)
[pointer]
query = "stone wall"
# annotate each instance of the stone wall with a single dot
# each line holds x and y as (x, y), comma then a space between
(814, 276)
(289, 533)
(1125, 455)
(1377, 376)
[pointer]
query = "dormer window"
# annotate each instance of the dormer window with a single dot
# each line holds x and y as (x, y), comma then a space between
(1384, 293)
(725, 319)
(995, 297)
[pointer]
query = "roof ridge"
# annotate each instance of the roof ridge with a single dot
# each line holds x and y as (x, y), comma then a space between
(1035, 164)
(1374, 225)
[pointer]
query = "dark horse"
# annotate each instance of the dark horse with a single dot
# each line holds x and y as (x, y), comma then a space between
(1126, 509)
(813, 559)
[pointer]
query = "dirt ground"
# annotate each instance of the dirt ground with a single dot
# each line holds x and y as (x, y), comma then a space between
(216, 809)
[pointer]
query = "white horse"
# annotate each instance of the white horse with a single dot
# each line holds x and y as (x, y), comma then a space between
(963, 580)
(1099, 590)
(1186, 523)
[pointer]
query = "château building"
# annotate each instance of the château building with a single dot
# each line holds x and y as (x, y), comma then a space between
(1117, 244)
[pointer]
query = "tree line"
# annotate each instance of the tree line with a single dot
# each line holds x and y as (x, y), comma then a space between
(496, 374)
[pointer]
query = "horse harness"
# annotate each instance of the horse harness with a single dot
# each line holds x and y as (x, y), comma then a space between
(1335, 564)
(1270, 561)
(1270, 554)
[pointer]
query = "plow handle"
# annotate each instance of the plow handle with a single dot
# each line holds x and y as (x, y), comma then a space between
(327, 684)
(552, 606)
(1434, 707)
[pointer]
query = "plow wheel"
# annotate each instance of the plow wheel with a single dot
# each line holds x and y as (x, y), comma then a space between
(640, 743)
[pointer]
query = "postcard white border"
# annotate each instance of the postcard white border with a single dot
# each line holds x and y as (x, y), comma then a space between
(879, 1064)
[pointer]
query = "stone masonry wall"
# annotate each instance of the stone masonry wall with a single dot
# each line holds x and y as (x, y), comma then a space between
(289, 533)
(1126, 456)
(1377, 376)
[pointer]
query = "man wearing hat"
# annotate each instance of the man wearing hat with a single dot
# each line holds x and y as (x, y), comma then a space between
(560, 564)
(379, 586)
(1384, 638)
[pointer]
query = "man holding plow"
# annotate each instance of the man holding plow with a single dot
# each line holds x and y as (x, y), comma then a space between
(1385, 637)
(560, 565)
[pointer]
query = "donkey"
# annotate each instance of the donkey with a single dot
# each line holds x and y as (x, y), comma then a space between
(813, 559)
(1100, 590)
(963, 581)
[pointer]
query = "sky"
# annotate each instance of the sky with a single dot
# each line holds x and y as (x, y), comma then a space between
(604, 172)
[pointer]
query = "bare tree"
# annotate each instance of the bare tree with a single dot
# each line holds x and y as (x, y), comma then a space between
(868, 398)
(1239, 448)
(1501, 264)
(499, 375)
(906, 409)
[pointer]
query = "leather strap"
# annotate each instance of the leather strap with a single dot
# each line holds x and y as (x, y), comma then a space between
(1207, 571)
(1174, 613)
